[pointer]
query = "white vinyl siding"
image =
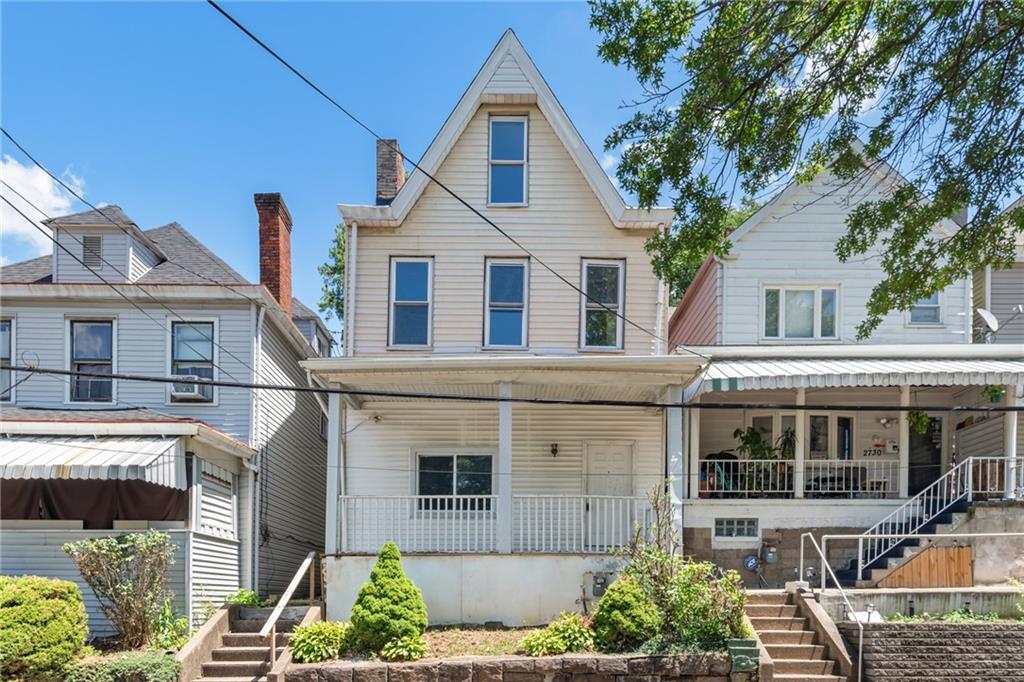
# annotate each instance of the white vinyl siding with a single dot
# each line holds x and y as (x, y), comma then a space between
(140, 260)
(113, 267)
(215, 573)
(217, 502)
(1007, 292)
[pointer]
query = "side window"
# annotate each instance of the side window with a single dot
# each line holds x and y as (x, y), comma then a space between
(411, 283)
(926, 311)
(6, 339)
(92, 351)
(601, 314)
(506, 285)
(192, 356)
(507, 161)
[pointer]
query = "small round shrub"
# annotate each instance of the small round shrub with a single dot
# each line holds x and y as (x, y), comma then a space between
(625, 617)
(320, 641)
(389, 606)
(244, 598)
(42, 626)
(410, 648)
(570, 633)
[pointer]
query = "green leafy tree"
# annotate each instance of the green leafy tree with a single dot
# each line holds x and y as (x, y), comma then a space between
(740, 94)
(389, 606)
(332, 297)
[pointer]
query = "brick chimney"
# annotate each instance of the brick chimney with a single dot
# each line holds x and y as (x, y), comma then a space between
(275, 247)
(390, 171)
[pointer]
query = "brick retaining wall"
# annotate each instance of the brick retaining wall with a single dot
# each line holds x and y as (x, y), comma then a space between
(578, 667)
(940, 651)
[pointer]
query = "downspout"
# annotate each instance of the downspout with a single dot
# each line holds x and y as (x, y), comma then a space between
(350, 295)
(255, 442)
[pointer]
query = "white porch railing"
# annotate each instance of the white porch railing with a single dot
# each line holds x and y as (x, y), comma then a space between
(746, 478)
(576, 523)
(418, 523)
(851, 478)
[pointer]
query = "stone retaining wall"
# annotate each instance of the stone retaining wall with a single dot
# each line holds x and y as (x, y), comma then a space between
(582, 667)
(940, 651)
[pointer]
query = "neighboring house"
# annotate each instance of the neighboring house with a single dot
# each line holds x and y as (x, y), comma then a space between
(1001, 292)
(189, 314)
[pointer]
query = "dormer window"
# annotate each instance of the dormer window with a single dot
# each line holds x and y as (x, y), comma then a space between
(508, 154)
(92, 250)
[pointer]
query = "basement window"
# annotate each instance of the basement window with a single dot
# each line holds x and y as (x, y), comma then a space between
(735, 528)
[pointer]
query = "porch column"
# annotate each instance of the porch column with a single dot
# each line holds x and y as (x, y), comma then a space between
(801, 443)
(1010, 442)
(333, 521)
(693, 432)
(504, 470)
(675, 454)
(904, 442)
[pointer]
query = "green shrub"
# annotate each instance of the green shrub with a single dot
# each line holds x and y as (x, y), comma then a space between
(570, 633)
(707, 606)
(244, 598)
(625, 617)
(409, 648)
(42, 626)
(128, 573)
(320, 641)
(171, 631)
(145, 666)
(389, 606)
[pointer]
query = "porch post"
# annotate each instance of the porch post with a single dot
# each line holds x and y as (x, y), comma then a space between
(1010, 443)
(801, 443)
(693, 432)
(504, 470)
(904, 442)
(675, 455)
(335, 441)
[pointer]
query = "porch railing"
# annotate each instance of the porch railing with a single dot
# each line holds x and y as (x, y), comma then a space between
(420, 523)
(851, 478)
(746, 478)
(576, 524)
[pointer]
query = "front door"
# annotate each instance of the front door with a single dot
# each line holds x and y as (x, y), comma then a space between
(925, 455)
(608, 517)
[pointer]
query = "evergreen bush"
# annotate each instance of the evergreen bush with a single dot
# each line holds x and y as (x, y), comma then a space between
(625, 617)
(42, 626)
(389, 606)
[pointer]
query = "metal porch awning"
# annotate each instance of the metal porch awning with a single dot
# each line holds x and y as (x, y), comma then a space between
(773, 374)
(156, 459)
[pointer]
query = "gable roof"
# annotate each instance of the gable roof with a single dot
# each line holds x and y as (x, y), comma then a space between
(104, 216)
(508, 76)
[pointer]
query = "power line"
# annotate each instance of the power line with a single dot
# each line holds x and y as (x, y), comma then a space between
(437, 182)
(370, 393)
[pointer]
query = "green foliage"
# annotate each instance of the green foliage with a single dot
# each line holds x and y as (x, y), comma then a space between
(171, 631)
(332, 298)
(919, 421)
(625, 616)
(993, 394)
(389, 606)
(740, 97)
(569, 634)
(408, 648)
(752, 444)
(147, 666)
(320, 641)
(707, 606)
(244, 598)
(128, 573)
(959, 616)
(42, 626)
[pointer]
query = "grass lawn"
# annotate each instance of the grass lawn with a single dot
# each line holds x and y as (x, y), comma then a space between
(444, 642)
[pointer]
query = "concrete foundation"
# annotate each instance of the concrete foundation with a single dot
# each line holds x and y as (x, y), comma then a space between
(887, 602)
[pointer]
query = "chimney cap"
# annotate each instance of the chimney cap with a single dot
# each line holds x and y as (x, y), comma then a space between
(273, 200)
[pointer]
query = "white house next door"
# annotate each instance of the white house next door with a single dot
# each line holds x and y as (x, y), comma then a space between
(609, 515)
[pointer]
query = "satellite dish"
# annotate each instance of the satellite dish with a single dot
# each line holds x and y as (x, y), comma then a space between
(989, 319)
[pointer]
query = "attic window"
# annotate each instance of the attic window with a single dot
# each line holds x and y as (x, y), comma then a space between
(92, 251)
(507, 182)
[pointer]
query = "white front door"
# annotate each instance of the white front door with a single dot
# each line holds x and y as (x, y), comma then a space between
(609, 516)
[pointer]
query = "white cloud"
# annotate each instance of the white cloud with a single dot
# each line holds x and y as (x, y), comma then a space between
(608, 163)
(41, 190)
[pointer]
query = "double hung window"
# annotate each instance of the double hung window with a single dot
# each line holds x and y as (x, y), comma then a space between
(411, 283)
(505, 323)
(507, 161)
(192, 355)
(92, 351)
(602, 306)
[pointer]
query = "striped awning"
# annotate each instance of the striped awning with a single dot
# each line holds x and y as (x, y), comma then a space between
(767, 374)
(154, 459)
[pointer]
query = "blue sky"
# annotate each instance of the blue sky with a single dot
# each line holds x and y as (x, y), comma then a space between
(169, 111)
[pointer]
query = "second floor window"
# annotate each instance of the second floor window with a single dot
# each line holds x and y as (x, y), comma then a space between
(5, 359)
(192, 356)
(800, 313)
(505, 322)
(926, 311)
(507, 157)
(410, 302)
(602, 307)
(92, 351)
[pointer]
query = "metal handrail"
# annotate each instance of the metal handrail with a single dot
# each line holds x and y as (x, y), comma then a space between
(842, 593)
(270, 627)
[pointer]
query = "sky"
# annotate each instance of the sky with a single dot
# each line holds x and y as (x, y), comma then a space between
(170, 112)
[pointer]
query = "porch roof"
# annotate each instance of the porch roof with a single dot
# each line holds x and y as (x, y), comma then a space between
(155, 459)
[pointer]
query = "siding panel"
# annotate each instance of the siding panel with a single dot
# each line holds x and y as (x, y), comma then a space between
(215, 573)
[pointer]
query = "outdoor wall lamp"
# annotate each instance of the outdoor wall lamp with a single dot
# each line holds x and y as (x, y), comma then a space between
(554, 449)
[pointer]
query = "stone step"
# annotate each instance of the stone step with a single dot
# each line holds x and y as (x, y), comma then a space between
(767, 597)
(232, 639)
(235, 668)
(242, 653)
(803, 667)
(786, 637)
(796, 651)
(256, 624)
(790, 677)
(771, 610)
(772, 623)
(261, 678)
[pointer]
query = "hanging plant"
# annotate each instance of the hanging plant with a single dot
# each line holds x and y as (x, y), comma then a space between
(919, 421)
(995, 394)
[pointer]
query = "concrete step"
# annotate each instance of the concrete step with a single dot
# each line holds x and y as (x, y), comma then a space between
(755, 597)
(796, 651)
(770, 623)
(796, 666)
(261, 678)
(262, 613)
(242, 653)
(771, 610)
(786, 637)
(233, 639)
(788, 677)
(255, 625)
(235, 668)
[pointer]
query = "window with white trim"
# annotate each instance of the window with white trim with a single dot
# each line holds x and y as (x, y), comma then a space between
(602, 305)
(736, 528)
(192, 356)
(800, 313)
(92, 351)
(451, 476)
(411, 283)
(507, 161)
(927, 310)
(506, 285)
(6, 339)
